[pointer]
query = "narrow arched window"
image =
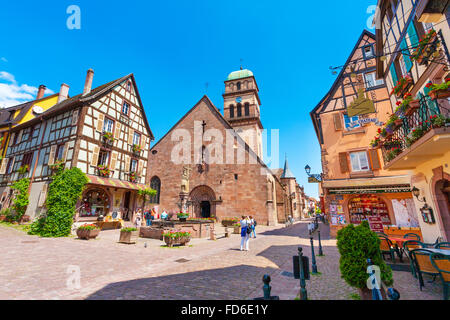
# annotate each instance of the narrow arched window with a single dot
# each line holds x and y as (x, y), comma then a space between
(239, 110)
(232, 111)
(247, 108)
(238, 86)
(155, 184)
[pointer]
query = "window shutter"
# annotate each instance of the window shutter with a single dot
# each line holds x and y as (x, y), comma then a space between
(413, 37)
(337, 121)
(113, 160)
(343, 162)
(11, 139)
(374, 160)
(141, 167)
(130, 136)
(4, 165)
(66, 149)
(393, 74)
(127, 164)
(406, 55)
(101, 119)
(43, 196)
(75, 117)
(117, 132)
(95, 153)
(143, 141)
(51, 158)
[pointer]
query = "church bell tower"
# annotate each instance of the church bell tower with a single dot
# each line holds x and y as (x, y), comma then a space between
(242, 108)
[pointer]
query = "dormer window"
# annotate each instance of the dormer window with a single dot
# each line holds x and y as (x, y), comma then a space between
(129, 86)
(368, 52)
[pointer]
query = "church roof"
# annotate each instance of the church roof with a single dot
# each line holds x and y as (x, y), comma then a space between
(240, 74)
(287, 173)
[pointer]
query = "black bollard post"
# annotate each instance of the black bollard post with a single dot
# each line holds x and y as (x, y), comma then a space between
(320, 246)
(303, 292)
(267, 289)
(313, 257)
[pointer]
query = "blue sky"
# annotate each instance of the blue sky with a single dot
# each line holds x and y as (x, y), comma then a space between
(175, 47)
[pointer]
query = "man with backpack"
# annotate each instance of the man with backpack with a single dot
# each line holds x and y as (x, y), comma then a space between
(252, 226)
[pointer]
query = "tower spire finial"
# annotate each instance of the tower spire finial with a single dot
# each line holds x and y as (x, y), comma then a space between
(241, 62)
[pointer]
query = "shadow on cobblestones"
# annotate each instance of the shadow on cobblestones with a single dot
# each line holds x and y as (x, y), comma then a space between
(213, 284)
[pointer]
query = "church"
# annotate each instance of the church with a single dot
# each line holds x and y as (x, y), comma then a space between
(210, 164)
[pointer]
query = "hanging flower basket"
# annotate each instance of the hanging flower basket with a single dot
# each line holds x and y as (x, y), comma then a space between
(402, 86)
(108, 139)
(428, 45)
(136, 149)
(103, 171)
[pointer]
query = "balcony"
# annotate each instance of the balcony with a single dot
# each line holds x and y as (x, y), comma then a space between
(422, 135)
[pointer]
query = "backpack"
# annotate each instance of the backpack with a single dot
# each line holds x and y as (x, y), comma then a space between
(255, 223)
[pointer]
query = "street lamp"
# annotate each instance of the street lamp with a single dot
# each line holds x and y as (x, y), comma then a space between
(308, 169)
(317, 177)
(416, 193)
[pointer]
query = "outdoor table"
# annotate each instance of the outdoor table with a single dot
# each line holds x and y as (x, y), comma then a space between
(399, 243)
(440, 251)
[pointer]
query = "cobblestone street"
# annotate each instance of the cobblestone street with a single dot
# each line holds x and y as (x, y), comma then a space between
(37, 268)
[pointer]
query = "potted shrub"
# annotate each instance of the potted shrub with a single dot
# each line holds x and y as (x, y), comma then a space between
(88, 231)
(356, 245)
(439, 91)
(128, 235)
(103, 171)
(108, 138)
(172, 238)
(182, 216)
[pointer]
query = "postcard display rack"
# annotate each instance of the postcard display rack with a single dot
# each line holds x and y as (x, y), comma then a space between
(364, 206)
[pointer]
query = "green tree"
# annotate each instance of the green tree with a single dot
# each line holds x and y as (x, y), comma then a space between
(63, 193)
(146, 194)
(20, 201)
(356, 245)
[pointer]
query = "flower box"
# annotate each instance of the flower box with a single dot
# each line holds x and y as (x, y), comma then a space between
(397, 124)
(229, 222)
(440, 94)
(129, 235)
(427, 47)
(236, 229)
(88, 233)
(177, 238)
(413, 106)
(402, 86)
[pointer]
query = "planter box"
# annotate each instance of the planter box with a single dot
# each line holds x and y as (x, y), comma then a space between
(128, 237)
(227, 223)
(88, 234)
(236, 230)
(170, 242)
(439, 94)
(413, 106)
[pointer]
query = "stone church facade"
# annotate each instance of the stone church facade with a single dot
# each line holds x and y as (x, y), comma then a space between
(221, 189)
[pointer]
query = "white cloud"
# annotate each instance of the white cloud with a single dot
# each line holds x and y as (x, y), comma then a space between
(13, 93)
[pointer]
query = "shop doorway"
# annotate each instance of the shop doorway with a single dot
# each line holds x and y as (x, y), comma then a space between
(443, 201)
(206, 209)
(126, 206)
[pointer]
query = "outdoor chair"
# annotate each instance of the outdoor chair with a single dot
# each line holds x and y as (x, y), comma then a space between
(408, 246)
(387, 247)
(382, 234)
(443, 245)
(442, 265)
(412, 236)
(422, 262)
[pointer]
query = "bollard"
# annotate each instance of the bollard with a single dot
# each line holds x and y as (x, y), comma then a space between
(267, 289)
(320, 246)
(303, 292)
(212, 234)
(313, 258)
(227, 233)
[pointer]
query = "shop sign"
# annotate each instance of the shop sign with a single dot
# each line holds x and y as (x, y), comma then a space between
(370, 191)
(364, 121)
(376, 224)
(427, 215)
(313, 180)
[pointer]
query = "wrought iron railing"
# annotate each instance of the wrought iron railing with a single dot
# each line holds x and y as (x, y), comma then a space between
(414, 126)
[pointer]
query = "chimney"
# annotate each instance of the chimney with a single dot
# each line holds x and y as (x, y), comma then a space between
(63, 93)
(41, 91)
(88, 83)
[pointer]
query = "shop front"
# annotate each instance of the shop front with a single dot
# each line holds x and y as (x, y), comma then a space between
(109, 198)
(393, 206)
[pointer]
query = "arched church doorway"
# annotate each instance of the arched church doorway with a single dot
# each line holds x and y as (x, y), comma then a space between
(203, 198)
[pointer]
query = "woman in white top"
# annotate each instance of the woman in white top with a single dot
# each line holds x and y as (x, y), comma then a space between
(245, 235)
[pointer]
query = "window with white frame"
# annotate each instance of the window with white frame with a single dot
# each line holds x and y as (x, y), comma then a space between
(136, 138)
(401, 62)
(103, 158)
(372, 81)
(359, 161)
(351, 122)
(108, 125)
(125, 108)
(133, 165)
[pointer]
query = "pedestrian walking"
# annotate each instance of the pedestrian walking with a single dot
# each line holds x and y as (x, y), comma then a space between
(138, 219)
(148, 218)
(245, 233)
(253, 227)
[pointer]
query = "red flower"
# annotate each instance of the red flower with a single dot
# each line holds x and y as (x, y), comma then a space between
(398, 103)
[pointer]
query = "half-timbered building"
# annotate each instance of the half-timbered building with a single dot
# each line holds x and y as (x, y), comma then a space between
(103, 131)
(413, 38)
(355, 186)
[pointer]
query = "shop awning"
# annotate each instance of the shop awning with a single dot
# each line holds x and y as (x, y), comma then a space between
(368, 182)
(115, 183)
